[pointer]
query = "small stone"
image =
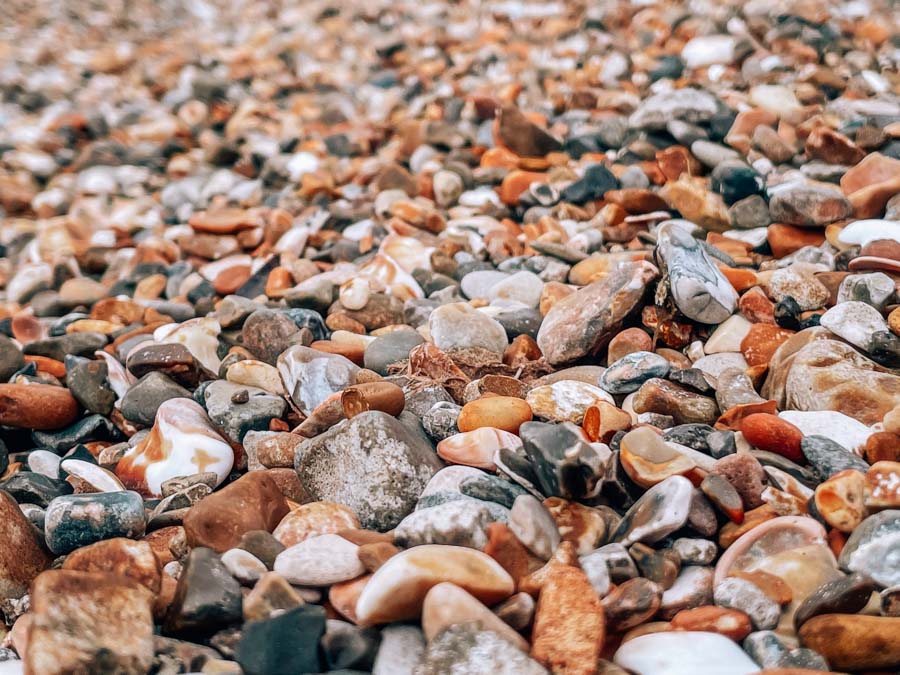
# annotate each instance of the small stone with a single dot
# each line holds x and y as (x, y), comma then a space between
(805, 290)
(631, 604)
(311, 376)
(840, 500)
(477, 448)
(397, 590)
(648, 459)
(143, 399)
(563, 463)
(533, 525)
(446, 605)
(747, 476)
(698, 288)
(773, 434)
(319, 561)
(855, 322)
(565, 401)
(731, 623)
(467, 648)
(871, 548)
(207, 596)
(808, 205)
(243, 565)
(695, 551)
(882, 490)
(121, 557)
(502, 412)
(685, 406)
(402, 649)
(627, 342)
(313, 519)
(22, 555)
(461, 326)
(459, 522)
(659, 512)
(382, 467)
(270, 595)
(828, 457)
(585, 321)
(844, 595)
(744, 596)
(628, 373)
(36, 406)
(182, 442)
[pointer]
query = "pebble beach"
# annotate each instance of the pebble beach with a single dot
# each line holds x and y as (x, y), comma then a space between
(486, 337)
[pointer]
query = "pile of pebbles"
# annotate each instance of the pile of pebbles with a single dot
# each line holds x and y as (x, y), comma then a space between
(484, 337)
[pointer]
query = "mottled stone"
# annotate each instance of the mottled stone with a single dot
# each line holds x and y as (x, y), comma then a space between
(585, 321)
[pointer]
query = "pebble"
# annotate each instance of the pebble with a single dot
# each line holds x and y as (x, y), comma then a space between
(584, 322)
(319, 561)
(698, 288)
(111, 614)
(683, 652)
(182, 442)
(628, 373)
(397, 590)
(460, 326)
(73, 521)
(219, 521)
(372, 464)
(533, 525)
(565, 401)
(746, 597)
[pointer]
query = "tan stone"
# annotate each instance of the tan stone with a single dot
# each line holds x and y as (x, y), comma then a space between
(119, 556)
(569, 623)
(89, 622)
(397, 590)
(313, 519)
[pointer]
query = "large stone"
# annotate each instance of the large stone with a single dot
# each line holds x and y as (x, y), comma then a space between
(826, 374)
(87, 622)
(373, 463)
(22, 555)
(182, 442)
(253, 502)
(585, 321)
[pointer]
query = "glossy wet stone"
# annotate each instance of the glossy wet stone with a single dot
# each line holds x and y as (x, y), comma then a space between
(73, 521)
(698, 288)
